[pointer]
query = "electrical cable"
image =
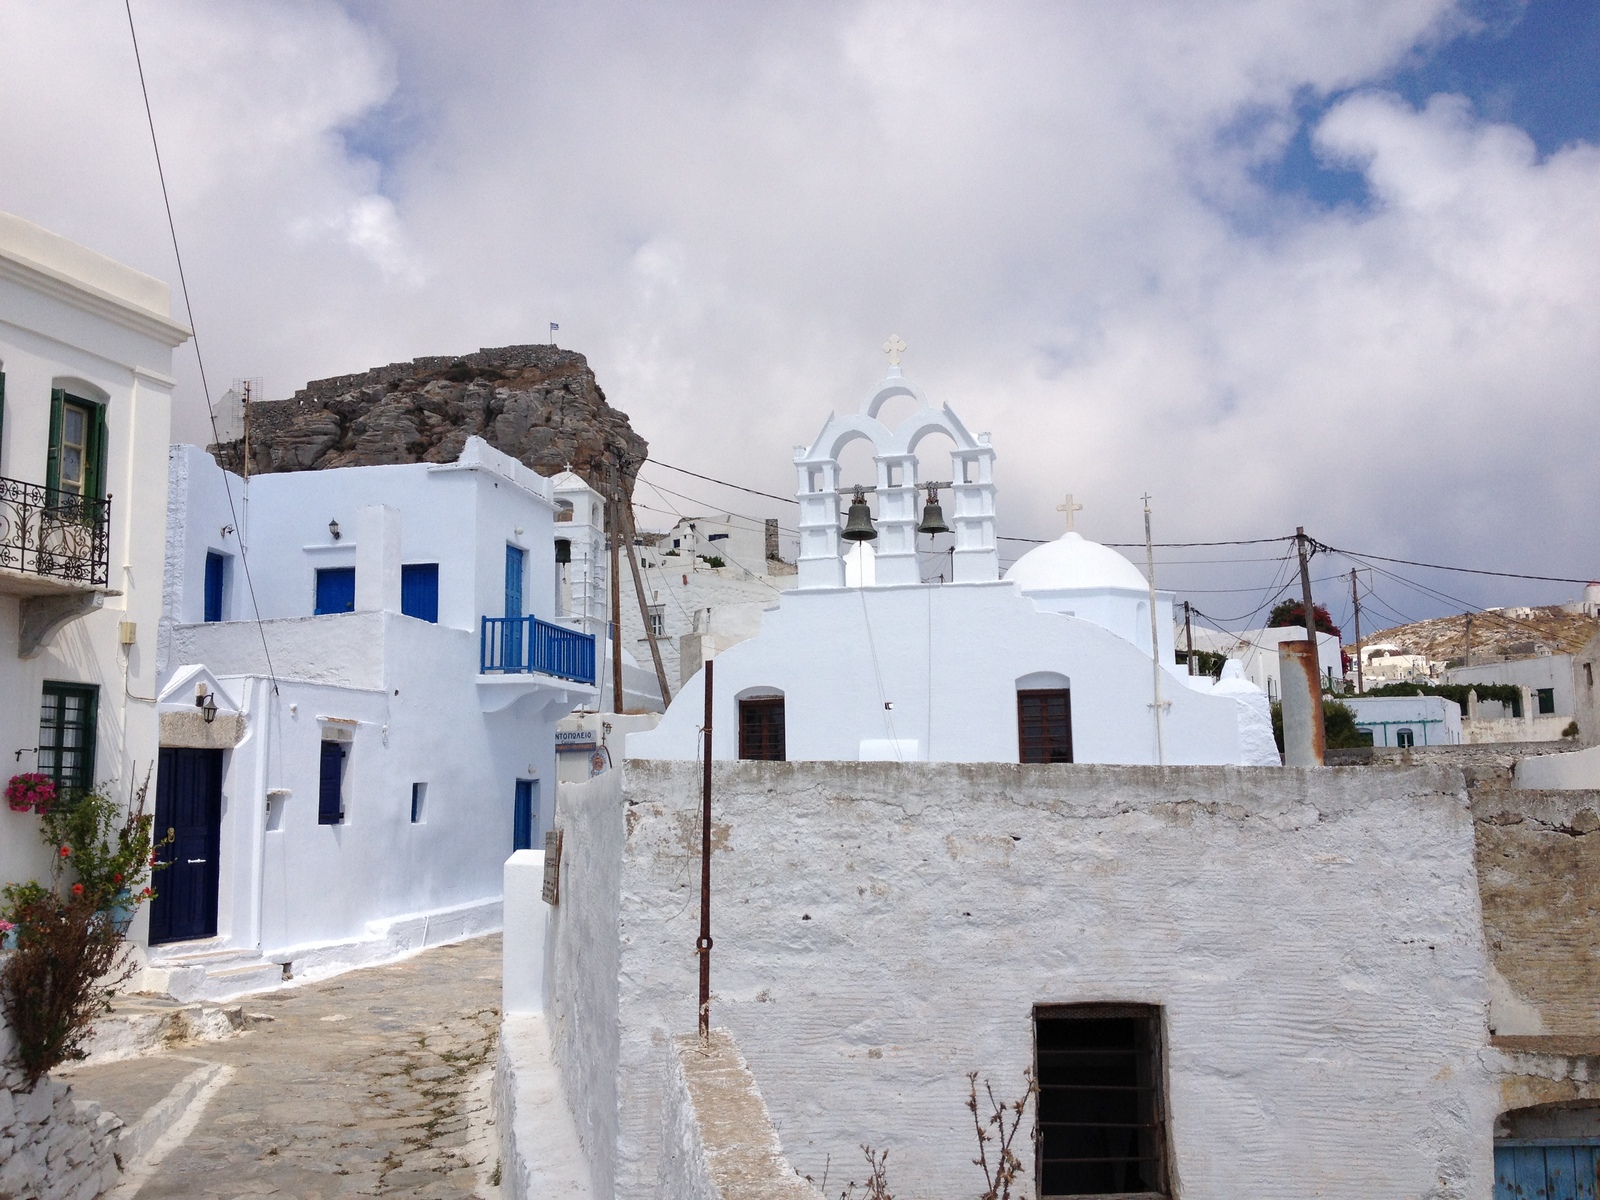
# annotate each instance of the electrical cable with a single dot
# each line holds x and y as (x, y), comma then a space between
(194, 335)
(1353, 555)
(723, 482)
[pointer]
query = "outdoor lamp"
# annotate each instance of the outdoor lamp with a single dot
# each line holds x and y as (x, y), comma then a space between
(333, 528)
(207, 704)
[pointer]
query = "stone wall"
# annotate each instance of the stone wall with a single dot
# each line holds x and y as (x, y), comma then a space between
(539, 404)
(1312, 936)
(51, 1148)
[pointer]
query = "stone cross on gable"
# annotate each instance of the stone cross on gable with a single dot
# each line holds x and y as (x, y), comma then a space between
(1071, 510)
(894, 348)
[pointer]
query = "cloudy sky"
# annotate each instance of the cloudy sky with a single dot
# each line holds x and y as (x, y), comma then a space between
(1330, 264)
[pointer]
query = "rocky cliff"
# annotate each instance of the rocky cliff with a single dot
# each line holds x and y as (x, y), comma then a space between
(539, 404)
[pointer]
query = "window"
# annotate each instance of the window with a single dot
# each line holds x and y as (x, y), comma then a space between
(658, 619)
(1588, 674)
(761, 728)
(330, 784)
(1404, 738)
(66, 735)
(336, 590)
(525, 814)
(419, 796)
(216, 581)
(1547, 701)
(1101, 1111)
(717, 537)
(1044, 725)
(76, 463)
(419, 591)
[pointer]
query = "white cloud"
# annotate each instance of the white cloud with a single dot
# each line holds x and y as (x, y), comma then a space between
(728, 208)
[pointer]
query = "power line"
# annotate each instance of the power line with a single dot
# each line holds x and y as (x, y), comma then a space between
(1441, 567)
(722, 482)
(194, 334)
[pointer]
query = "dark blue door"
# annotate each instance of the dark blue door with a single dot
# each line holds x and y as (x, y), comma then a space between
(511, 651)
(189, 805)
(525, 816)
(336, 590)
(1546, 1169)
(216, 572)
(419, 591)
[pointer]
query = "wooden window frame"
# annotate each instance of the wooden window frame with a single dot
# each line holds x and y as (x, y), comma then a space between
(93, 478)
(57, 691)
(752, 749)
(1152, 1018)
(1027, 695)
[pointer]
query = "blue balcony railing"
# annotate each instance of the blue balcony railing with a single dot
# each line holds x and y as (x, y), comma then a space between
(519, 645)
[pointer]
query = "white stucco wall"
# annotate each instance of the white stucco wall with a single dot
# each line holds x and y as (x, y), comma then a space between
(73, 319)
(1313, 937)
(1433, 720)
(1553, 671)
(947, 659)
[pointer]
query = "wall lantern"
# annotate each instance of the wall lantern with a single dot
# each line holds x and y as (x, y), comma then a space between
(932, 514)
(333, 528)
(858, 527)
(563, 550)
(207, 704)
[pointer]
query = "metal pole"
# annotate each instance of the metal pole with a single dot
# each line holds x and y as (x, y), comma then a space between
(1188, 636)
(616, 594)
(1155, 640)
(703, 944)
(1355, 599)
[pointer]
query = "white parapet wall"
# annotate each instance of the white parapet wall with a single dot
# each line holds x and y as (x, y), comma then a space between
(1579, 769)
(1312, 937)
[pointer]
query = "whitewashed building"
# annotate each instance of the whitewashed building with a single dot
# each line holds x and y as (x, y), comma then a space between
(1257, 651)
(346, 773)
(1407, 721)
(1053, 663)
(85, 417)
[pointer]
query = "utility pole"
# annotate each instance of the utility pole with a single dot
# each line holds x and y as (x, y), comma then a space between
(644, 615)
(1300, 540)
(1188, 637)
(1466, 654)
(1355, 599)
(616, 593)
(1155, 640)
(703, 943)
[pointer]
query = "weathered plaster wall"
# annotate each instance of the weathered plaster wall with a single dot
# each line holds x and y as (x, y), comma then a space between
(881, 929)
(582, 964)
(1538, 858)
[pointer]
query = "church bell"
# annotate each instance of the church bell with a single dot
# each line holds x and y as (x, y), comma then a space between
(858, 526)
(563, 550)
(932, 515)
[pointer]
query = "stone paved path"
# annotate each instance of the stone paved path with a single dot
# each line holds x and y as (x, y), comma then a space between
(361, 1085)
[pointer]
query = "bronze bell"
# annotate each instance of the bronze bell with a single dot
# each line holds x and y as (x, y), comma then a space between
(563, 550)
(932, 515)
(858, 526)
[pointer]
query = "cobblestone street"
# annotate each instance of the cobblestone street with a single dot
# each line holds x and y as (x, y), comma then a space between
(371, 1083)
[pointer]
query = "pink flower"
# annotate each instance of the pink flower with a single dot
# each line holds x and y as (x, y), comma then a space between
(6, 927)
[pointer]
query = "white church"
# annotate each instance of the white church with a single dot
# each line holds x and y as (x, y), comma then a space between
(863, 660)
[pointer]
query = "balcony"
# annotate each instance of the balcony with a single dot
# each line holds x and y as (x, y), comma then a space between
(51, 542)
(527, 645)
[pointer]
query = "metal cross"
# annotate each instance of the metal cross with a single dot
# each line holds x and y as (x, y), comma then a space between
(894, 348)
(1070, 509)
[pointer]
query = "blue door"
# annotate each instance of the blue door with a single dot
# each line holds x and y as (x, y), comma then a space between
(525, 815)
(189, 805)
(336, 590)
(419, 591)
(1546, 1169)
(511, 650)
(216, 573)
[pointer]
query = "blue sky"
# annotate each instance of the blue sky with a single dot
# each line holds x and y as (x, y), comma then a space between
(1531, 63)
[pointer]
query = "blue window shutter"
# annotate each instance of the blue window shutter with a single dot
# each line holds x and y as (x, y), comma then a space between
(330, 789)
(216, 566)
(513, 581)
(336, 590)
(525, 815)
(419, 591)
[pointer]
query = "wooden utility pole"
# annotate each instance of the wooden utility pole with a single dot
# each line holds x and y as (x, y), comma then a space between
(1355, 599)
(1466, 654)
(616, 593)
(703, 943)
(1300, 540)
(644, 615)
(1188, 637)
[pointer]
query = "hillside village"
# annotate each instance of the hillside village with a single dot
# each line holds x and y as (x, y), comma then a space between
(412, 795)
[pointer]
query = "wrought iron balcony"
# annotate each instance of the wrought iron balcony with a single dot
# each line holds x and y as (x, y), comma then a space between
(53, 536)
(523, 645)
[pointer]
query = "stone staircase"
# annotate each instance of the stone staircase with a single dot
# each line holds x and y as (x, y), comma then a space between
(208, 970)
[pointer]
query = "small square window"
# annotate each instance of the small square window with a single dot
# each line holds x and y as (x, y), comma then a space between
(1405, 738)
(336, 590)
(1547, 701)
(419, 797)
(658, 619)
(761, 729)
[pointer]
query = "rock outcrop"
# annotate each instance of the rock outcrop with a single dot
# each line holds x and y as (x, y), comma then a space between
(540, 404)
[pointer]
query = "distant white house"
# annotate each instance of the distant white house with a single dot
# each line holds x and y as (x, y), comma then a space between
(1384, 662)
(1257, 651)
(865, 661)
(345, 775)
(85, 417)
(1407, 721)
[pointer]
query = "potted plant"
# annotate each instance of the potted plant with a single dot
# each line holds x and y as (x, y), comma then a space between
(31, 792)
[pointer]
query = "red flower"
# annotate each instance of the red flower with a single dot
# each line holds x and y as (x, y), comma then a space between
(66, 851)
(117, 878)
(77, 889)
(145, 895)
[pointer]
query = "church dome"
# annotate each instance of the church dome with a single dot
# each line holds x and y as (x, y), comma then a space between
(1072, 563)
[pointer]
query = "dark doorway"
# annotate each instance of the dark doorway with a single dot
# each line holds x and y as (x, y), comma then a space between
(189, 803)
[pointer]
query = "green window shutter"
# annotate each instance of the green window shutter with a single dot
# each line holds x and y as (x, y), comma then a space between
(94, 467)
(52, 463)
(2, 411)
